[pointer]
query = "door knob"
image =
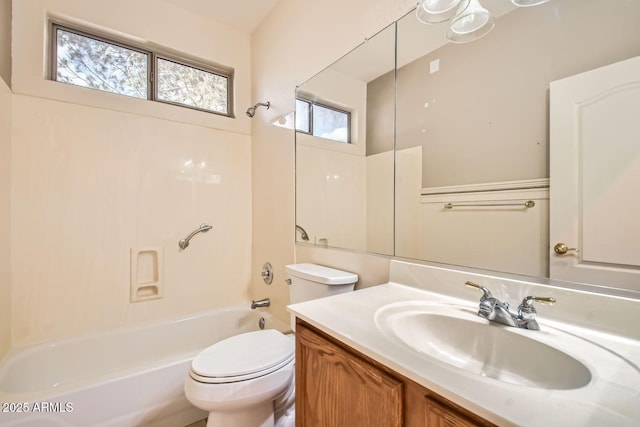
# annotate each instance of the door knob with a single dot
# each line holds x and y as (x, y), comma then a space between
(562, 248)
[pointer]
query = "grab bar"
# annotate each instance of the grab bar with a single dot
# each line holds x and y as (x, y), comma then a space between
(303, 233)
(184, 243)
(527, 204)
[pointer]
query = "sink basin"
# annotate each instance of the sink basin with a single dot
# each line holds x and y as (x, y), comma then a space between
(456, 336)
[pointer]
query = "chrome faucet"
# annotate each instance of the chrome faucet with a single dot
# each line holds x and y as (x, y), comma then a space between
(266, 302)
(495, 310)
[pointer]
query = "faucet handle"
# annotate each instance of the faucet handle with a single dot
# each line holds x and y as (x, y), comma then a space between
(485, 291)
(526, 309)
(528, 301)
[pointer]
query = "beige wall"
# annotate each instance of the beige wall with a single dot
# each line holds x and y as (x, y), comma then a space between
(5, 218)
(381, 114)
(288, 48)
(489, 100)
(5, 41)
(96, 175)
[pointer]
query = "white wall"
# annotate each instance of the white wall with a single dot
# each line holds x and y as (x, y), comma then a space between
(96, 174)
(5, 218)
(297, 40)
(408, 214)
(332, 178)
(499, 238)
(379, 204)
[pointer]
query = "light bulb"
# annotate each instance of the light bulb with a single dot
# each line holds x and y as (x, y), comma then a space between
(436, 11)
(470, 24)
(527, 3)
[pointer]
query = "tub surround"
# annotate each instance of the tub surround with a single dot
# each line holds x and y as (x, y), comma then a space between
(95, 174)
(611, 398)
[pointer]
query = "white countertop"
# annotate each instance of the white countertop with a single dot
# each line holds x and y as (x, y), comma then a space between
(612, 398)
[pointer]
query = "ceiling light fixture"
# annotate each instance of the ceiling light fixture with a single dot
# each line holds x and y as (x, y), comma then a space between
(470, 24)
(527, 3)
(436, 11)
(469, 20)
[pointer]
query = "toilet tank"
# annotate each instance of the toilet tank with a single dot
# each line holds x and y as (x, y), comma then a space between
(311, 281)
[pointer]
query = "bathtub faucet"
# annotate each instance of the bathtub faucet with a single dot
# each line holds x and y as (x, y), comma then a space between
(260, 303)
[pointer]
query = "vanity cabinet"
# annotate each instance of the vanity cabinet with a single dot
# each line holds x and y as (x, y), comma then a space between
(337, 386)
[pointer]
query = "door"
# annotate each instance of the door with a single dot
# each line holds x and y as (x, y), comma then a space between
(595, 176)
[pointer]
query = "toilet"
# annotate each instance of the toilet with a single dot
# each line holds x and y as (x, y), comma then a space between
(247, 380)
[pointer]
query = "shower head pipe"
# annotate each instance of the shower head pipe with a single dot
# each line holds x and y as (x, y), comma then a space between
(251, 111)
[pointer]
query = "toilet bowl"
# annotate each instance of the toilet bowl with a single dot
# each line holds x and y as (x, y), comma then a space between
(238, 379)
(248, 380)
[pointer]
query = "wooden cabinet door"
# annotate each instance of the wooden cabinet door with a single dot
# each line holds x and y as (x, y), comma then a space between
(424, 408)
(438, 415)
(336, 388)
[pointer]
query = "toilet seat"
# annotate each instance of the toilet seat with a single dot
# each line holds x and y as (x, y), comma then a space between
(243, 357)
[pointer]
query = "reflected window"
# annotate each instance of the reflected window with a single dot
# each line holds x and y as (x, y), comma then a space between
(303, 116)
(323, 121)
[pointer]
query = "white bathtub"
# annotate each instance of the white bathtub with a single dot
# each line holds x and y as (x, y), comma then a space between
(131, 377)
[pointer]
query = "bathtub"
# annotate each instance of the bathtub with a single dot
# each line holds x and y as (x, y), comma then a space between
(130, 377)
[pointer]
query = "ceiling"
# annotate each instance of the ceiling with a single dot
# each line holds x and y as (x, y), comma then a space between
(244, 15)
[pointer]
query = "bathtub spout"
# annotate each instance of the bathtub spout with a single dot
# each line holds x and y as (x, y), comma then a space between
(260, 303)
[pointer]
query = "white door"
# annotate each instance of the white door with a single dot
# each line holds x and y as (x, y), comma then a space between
(595, 176)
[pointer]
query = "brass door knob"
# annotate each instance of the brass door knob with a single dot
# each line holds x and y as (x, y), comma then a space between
(562, 248)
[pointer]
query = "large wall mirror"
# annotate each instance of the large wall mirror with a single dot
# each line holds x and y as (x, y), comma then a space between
(344, 161)
(484, 165)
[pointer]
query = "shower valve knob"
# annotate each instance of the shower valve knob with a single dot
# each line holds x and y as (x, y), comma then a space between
(267, 273)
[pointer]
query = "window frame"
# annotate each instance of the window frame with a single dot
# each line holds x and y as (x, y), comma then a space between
(228, 74)
(152, 60)
(311, 103)
(309, 116)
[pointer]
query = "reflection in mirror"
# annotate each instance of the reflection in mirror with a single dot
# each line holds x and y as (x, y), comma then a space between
(484, 123)
(473, 128)
(344, 152)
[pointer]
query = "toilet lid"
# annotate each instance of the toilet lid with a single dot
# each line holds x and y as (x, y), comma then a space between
(247, 356)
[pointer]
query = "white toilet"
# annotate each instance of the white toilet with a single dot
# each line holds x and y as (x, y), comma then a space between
(248, 380)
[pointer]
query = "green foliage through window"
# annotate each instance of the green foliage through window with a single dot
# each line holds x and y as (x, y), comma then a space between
(90, 61)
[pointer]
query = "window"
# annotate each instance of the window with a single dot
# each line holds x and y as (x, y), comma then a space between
(91, 61)
(323, 121)
(185, 85)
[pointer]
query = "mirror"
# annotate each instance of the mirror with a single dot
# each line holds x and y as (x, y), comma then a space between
(344, 159)
(472, 132)
(473, 120)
